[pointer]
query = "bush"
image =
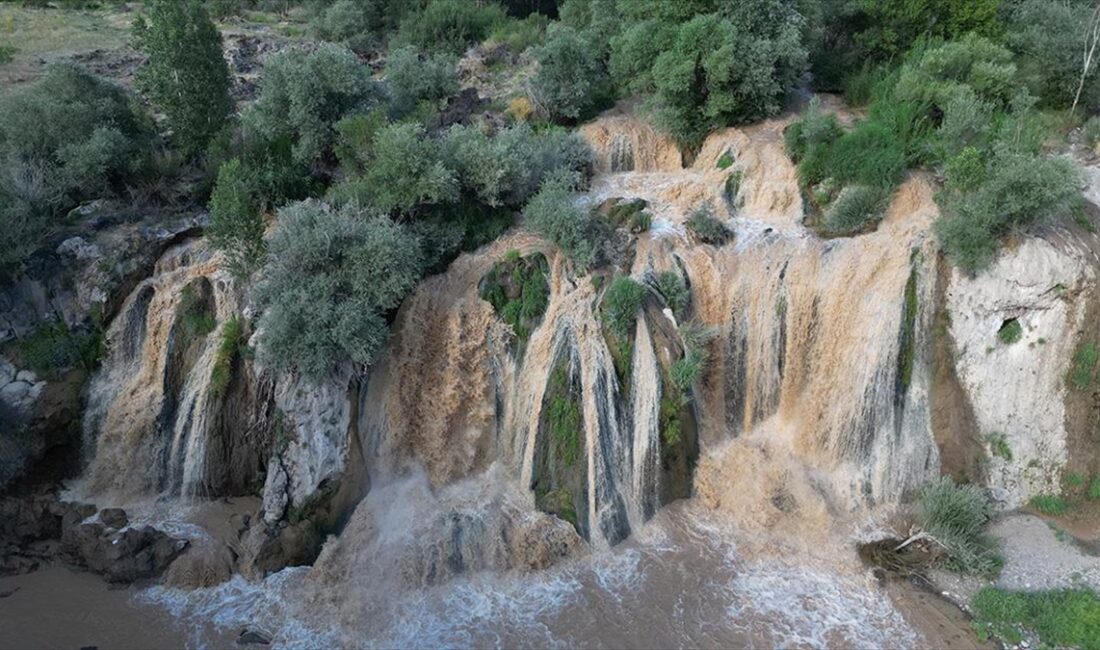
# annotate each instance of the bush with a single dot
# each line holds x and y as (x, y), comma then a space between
(571, 82)
(355, 140)
(1010, 332)
(1049, 504)
(53, 349)
(449, 25)
(302, 97)
(672, 287)
(686, 371)
(1063, 618)
(186, 76)
(236, 225)
(519, 35)
(1090, 132)
(407, 170)
(526, 280)
(413, 78)
(621, 303)
(232, 340)
(814, 128)
(328, 285)
(969, 64)
(1084, 366)
(707, 229)
(361, 24)
(956, 516)
(856, 209)
(1049, 38)
(553, 214)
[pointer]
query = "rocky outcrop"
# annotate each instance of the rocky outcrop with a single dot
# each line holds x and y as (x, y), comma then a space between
(124, 554)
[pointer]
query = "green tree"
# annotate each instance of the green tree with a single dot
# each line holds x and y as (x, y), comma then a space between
(408, 170)
(236, 225)
(449, 25)
(186, 76)
(331, 280)
(413, 78)
(553, 214)
(1049, 40)
(571, 80)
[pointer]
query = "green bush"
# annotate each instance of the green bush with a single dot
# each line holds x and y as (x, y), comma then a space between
(186, 76)
(571, 82)
(53, 349)
(1049, 40)
(449, 25)
(519, 35)
(232, 340)
(1063, 618)
(970, 64)
(621, 303)
(856, 209)
(330, 281)
(413, 78)
(553, 214)
(956, 516)
(564, 416)
(518, 290)
(707, 229)
(813, 129)
(303, 95)
(236, 224)
(7, 54)
(1049, 504)
(686, 371)
(361, 24)
(407, 170)
(355, 140)
(1010, 332)
(1084, 366)
(672, 287)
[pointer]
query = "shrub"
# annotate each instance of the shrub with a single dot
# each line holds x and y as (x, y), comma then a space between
(856, 208)
(407, 170)
(553, 214)
(621, 303)
(1010, 332)
(886, 29)
(355, 140)
(361, 24)
(1063, 618)
(813, 129)
(969, 64)
(956, 516)
(1084, 366)
(1094, 488)
(707, 229)
(232, 339)
(687, 370)
(1049, 504)
(302, 97)
(7, 54)
(236, 225)
(413, 78)
(1018, 189)
(519, 35)
(672, 287)
(1049, 38)
(998, 446)
(329, 282)
(449, 25)
(186, 76)
(53, 349)
(571, 81)
(526, 280)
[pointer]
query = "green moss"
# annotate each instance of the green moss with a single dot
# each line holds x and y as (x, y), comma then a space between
(733, 186)
(232, 339)
(631, 215)
(1049, 504)
(669, 416)
(1062, 618)
(1094, 488)
(1075, 480)
(725, 161)
(1084, 366)
(564, 416)
(1011, 331)
(194, 316)
(558, 502)
(621, 303)
(518, 289)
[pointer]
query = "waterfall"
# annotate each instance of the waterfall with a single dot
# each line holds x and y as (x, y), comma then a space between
(646, 404)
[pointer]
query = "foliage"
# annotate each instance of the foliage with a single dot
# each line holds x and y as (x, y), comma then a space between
(998, 446)
(687, 370)
(571, 81)
(52, 349)
(1010, 332)
(1049, 504)
(361, 24)
(194, 315)
(956, 516)
(518, 290)
(1094, 488)
(407, 170)
(329, 282)
(186, 76)
(236, 224)
(564, 415)
(672, 287)
(7, 53)
(232, 340)
(355, 140)
(855, 209)
(1049, 39)
(707, 229)
(302, 97)
(519, 35)
(413, 78)
(65, 138)
(621, 303)
(710, 76)
(725, 161)
(631, 215)
(552, 214)
(1061, 618)
(449, 25)
(971, 64)
(1084, 366)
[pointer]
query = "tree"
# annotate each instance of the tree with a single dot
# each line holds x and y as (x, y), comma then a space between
(413, 78)
(331, 280)
(553, 214)
(186, 76)
(571, 80)
(236, 225)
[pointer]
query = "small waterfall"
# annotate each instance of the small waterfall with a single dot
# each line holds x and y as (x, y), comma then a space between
(150, 406)
(646, 405)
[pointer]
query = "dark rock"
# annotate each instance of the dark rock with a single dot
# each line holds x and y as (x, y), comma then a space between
(135, 553)
(114, 517)
(267, 549)
(252, 637)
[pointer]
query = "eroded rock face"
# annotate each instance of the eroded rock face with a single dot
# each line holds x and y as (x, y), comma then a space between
(1018, 385)
(121, 555)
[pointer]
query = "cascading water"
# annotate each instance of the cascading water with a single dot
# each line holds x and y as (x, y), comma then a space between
(150, 407)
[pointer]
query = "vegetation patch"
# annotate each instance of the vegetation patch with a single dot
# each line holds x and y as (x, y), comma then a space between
(564, 416)
(631, 215)
(725, 161)
(998, 446)
(194, 314)
(908, 351)
(1049, 504)
(956, 517)
(1011, 331)
(707, 229)
(1062, 618)
(518, 289)
(1084, 366)
(621, 302)
(52, 349)
(229, 349)
(674, 290)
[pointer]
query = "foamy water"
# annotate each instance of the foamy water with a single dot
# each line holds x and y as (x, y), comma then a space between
(680, 582)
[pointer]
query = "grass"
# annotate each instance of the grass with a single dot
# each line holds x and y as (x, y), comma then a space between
(631, 215)
(1049, 504)
(1011, 331)
(7, 53)
(856, 209)
(1075, 480)
(1094, 489)
(1084, 366)
(674, 290)
(1061, 618)
(621, 303)
(998, 446)
(956, 515)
